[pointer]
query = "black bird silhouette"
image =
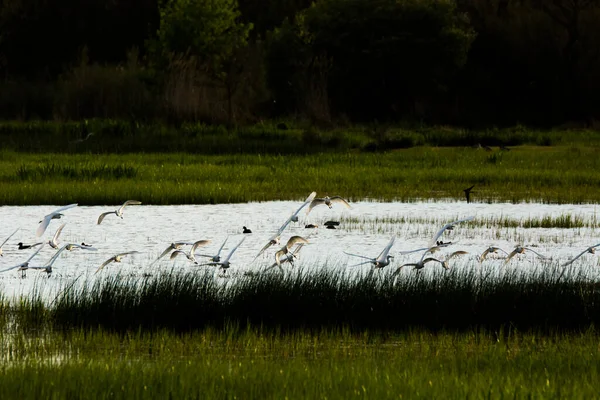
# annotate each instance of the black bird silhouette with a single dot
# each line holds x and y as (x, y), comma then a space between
(27, 246)
(246, 230)
(468, 193)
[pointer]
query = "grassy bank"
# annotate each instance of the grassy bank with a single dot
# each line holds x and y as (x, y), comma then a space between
(461, 300)
(326, 364)
(562, 174)
(269, 137)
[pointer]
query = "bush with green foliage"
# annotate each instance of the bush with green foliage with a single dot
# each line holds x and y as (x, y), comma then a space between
(378, 55)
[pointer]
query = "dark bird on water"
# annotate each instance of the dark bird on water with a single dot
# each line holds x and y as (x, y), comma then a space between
(246, 230)
(27, 246)
(468, 193)
(311, 226)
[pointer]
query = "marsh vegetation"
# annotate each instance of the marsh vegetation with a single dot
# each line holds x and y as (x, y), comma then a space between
(561, 174)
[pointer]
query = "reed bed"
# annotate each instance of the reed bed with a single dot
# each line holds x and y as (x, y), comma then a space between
(555, 175)
(565, 221)
(545, 300)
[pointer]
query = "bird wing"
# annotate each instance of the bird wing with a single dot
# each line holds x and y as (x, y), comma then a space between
(25, 262)
(510, 255)
(164, 253)
(62, 209)
(295, 239)
(43, 225)
(233, 250)
(58, 231)
(408, 265)
(211, 263)
(278, 256)
(129, 203)
(11, 268)
(362, 263)
(356, 255)
(573, 259)
(456, 253)
(384, 253)
(502, 250)
(222, 245)
(485, 253)
(414, 251)
(265, 247)
(176, 253)
(429, 250)
(127, 252)
(11, 235)
(105, 263)
(55, 256)
(101, 217)
(539, 255)
(308, 200)
(87, 248)
(198, 244)
(340, 200)
(448, 225)
(298, 248)
(34, 254)
(316, 202)
(468, 189)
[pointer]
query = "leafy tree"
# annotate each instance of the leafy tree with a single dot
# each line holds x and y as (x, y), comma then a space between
(207, 31)
(267, 15)
(385, 55)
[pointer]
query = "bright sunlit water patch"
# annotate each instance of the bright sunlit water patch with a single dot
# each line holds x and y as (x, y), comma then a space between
(365, 229)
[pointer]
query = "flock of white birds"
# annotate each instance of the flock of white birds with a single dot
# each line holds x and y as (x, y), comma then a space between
(287, 253)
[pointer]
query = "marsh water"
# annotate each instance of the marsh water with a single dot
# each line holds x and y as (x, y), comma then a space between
(364, 229)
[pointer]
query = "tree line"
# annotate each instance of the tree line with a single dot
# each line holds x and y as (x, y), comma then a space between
(463, 62)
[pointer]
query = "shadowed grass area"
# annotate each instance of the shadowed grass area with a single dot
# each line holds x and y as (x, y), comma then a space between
(267, 137)
(546, 174)
(460, 300)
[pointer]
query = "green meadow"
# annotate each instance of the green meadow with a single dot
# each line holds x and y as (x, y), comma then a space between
(229, 364)
(561, 174)
(105, 161)
(455, 334)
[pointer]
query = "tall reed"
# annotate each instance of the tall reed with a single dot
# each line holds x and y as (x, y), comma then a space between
(456, 300)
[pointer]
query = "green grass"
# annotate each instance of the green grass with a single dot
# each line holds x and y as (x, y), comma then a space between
(298, 137)
(382, 223)
(255, 364)
(320, 335)
(546, 174)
